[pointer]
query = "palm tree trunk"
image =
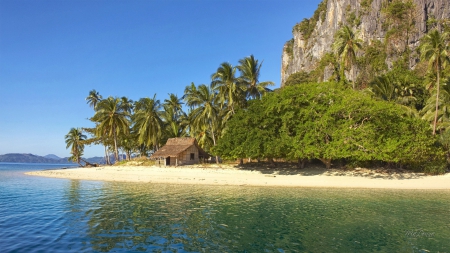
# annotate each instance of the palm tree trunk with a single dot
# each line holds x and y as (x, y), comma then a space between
(116, 151)
(106, 155)
(437, 100)
(214, 140)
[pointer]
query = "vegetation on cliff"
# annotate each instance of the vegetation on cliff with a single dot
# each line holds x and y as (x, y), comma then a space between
(415, 77)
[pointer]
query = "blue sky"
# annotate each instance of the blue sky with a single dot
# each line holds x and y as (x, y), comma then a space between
(53, 52)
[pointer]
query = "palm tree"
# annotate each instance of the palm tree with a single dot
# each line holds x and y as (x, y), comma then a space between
(206, 109)
(384, 87)
(173, 122)
(112, 119)
(147, 121)
(345, 47)
(174, 102)
(74, 141)
(435, 49)
(93, 98)
(127, 104)
(443, 114)
(250, 70)
(230, 90)
(390, 88)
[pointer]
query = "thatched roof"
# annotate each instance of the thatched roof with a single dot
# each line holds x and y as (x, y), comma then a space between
(175, 146)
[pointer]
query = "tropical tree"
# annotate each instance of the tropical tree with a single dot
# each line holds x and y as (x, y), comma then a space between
(250, 71)
(173, 122)
(443, 114)
(113, 119)
(230, 90)
(93, 98)
(75, 141)
(399, 88)
(206, 109)
(174, 102)
(435, 49)
(345, 46)
(127, 104)
(147, 121)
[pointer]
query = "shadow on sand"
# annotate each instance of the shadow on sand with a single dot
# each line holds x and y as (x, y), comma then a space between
(315, 169)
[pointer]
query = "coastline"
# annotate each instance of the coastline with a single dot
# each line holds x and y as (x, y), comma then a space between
(231, 175)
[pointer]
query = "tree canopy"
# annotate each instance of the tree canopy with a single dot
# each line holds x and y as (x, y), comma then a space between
(329, 122)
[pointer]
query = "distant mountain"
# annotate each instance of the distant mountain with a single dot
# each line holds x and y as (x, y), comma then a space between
(27, 158)
(52, 156)
(30, 158)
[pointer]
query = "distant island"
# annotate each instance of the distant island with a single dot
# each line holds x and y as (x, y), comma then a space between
(30, 158)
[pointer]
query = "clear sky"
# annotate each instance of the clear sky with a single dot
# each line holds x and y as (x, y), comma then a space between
(53, 52)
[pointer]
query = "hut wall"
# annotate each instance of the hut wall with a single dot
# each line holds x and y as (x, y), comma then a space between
(184, 158)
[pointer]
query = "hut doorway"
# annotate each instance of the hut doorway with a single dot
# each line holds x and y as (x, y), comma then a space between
(168, 161)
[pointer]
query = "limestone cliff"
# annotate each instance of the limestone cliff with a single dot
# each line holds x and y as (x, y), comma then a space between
(313, 38)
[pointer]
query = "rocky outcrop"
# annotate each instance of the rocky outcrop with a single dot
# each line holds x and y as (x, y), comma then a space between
(304, 51)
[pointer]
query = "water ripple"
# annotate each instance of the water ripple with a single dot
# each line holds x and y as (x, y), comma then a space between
(57, 215)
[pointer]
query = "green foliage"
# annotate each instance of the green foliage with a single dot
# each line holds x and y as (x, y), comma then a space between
(75, 141)
(435, 49)
(250, 69)
(352, 19)
(328, 122)
(345, 46)
(306, 26)
(112, 117)
(399, 23)
(365, 4)
(372, 63)
(290, 48)
(229, 90)
(432, 22)
(147, 122)
(298, 78)
(327, 60)
(402, 86)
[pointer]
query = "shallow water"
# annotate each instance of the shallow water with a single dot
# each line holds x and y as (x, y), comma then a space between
(60, 215)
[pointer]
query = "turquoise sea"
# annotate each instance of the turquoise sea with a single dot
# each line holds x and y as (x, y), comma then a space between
(61, 215)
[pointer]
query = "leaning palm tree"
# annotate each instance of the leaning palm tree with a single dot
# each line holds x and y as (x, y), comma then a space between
(230, 90)
(250, 71)
(206, 110)
(93, 98)
(74, 141)
(112, 119)
(435, 49)
(345, 47)
(147, 121)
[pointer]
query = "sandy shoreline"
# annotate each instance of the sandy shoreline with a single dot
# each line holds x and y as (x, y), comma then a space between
(229, 175)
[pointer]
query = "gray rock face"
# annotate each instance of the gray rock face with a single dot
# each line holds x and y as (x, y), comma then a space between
(306, 53)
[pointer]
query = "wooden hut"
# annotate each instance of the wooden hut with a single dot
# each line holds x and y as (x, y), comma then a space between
(180, 151)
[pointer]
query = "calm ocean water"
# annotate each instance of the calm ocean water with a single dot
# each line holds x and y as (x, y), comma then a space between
(60, 215)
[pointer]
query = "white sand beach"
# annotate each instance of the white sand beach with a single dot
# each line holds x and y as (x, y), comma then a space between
(233, 175)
